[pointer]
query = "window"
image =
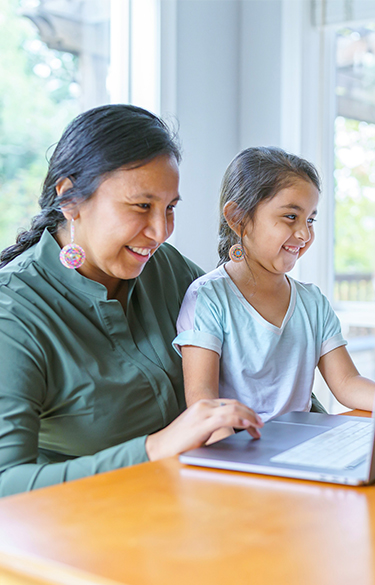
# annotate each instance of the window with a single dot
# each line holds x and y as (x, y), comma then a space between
(355, 165)
(354, 251)
(54, 58)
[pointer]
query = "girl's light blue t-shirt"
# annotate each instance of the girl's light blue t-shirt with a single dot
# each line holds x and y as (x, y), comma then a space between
(269, 368)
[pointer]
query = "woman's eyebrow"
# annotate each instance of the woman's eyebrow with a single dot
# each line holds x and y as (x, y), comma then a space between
(150, 196)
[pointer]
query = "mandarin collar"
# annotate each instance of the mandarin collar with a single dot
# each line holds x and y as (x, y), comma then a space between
(47, 252)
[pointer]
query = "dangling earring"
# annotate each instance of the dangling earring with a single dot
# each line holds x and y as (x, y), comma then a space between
(236, 253)
(72, 255)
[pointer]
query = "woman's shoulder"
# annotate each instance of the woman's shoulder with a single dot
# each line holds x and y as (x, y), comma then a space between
(211, 280)
(168, 262)
(17, 266)
(43, 252)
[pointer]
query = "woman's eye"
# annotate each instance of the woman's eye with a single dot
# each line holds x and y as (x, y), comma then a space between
(171, 207)
(311, 220)
(143, 205)
(291, 216)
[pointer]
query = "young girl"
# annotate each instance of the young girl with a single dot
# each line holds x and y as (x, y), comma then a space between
(247, 330)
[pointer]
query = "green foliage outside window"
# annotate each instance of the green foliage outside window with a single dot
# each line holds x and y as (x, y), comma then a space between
(355, 197)
(38, 90)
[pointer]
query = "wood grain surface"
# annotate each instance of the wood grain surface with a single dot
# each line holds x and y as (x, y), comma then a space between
(163, 523)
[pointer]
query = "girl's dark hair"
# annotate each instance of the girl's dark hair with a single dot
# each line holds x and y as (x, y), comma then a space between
(255, 175)
(95, 143)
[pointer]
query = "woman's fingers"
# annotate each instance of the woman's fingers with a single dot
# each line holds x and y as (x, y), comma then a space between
(220, 434)
(248, 419)
(254, 432)
(197, 423)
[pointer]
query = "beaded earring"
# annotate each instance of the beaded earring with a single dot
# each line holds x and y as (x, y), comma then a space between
(236, 253)
(72, 255)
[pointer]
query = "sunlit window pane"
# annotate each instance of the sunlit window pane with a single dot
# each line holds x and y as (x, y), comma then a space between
(54, 57)
(355, 191)
(355, 166)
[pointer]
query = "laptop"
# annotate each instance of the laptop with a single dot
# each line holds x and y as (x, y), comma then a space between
(302, 445)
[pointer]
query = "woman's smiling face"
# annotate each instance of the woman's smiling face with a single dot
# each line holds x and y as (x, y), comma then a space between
(126, 220)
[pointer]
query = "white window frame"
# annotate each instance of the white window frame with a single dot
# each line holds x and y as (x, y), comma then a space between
(135, 53)
(308, 112)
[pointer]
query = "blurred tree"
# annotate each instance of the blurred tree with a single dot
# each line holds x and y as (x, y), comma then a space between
(38, 97)
(354, 196)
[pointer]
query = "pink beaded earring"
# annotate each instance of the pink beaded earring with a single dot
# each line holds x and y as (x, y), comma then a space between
(236, 253)
(72, 255)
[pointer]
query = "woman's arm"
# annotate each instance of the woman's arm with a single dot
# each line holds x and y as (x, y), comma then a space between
(23, 467)
(20, 471)
(344, 380)
(23, 397)
(23, 476)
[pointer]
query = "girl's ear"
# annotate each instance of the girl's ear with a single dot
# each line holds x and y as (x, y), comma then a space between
(70, 209)
(232, 215)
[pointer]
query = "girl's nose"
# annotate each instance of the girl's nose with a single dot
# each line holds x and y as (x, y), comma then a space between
(303, 233)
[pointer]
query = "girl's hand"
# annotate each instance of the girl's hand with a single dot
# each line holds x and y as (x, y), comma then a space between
(196, 424)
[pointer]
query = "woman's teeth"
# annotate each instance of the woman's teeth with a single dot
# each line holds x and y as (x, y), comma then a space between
(141, 251)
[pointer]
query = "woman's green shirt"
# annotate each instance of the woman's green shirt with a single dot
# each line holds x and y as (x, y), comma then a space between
(81, 383)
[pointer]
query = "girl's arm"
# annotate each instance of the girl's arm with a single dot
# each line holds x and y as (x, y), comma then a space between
(344, 380)
(201, 381)
(201, 373)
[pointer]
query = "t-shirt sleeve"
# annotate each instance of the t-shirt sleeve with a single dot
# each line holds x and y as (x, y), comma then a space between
(332, 336)
(199, 322)
(22, 395)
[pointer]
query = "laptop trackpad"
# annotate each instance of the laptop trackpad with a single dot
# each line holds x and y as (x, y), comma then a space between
(278, 435)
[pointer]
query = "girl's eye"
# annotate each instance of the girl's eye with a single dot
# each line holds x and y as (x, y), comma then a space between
(311, 220)
(291, 216)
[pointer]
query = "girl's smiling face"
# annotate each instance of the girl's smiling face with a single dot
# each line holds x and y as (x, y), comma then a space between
(125, 220)
(282, 229)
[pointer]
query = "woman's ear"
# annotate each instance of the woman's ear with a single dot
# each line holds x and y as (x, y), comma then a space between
(232, 215)
(69, 209)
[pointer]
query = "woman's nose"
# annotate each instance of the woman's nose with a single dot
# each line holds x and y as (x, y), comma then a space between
(157, 229)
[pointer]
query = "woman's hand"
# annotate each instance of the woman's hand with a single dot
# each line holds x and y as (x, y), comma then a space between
(222, 433)
(195, 426)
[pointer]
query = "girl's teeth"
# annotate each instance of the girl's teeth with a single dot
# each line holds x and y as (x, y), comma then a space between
(291, 249)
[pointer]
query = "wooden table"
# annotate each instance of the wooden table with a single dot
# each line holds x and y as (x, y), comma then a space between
(163, 523)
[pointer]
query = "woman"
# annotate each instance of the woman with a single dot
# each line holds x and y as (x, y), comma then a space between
(89, 297)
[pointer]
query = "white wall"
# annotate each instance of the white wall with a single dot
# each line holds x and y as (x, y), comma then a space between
(217, 88)
(260, 73)
(239, 73)
(206, 106)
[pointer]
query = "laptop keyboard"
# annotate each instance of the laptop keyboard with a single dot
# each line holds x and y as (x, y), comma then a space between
(342, 447)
